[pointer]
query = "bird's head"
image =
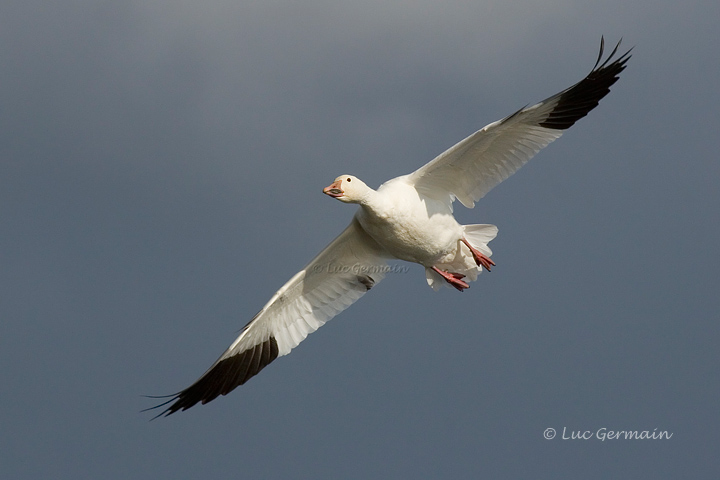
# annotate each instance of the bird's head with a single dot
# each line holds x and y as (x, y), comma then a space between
(348, 189)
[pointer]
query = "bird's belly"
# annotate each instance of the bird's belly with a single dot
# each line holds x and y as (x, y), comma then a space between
(425, 241)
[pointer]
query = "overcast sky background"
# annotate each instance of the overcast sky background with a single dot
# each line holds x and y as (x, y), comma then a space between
(161, 167)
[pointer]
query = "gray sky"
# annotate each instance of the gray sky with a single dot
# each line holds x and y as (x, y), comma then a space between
(161, 167)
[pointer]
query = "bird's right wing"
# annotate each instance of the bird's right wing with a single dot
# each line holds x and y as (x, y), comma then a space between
(342, 273)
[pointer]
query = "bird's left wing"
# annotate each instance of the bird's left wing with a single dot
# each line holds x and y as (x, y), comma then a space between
(342, 273)
(471, 168)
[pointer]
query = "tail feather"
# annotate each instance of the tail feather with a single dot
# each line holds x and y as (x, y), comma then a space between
(478, 236)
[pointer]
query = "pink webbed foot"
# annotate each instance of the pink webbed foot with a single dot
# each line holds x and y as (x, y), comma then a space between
(480, 258)
(454, 279)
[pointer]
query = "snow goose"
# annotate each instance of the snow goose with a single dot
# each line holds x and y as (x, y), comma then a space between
(407, 218)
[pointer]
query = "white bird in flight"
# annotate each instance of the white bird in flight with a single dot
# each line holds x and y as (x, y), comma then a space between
(407, 218)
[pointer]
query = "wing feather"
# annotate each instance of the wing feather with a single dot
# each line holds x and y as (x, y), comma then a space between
(325, 287)
(471, 168)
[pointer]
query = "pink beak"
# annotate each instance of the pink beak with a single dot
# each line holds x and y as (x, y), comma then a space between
(334, 189)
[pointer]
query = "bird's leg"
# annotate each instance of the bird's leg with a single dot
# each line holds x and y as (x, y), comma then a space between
(480, 259)
(454, 279)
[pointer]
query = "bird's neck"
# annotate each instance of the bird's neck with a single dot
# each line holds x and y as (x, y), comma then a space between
(368, 198)
(375, 203)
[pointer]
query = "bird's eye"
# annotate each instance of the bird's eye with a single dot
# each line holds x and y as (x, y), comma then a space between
(348, 179)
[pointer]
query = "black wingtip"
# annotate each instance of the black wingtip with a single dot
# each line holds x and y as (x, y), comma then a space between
(602, 50)
(578, 100)
(221, 379)
(171, 398)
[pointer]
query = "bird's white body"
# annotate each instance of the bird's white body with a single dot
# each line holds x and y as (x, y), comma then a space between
(413, 227)
(409, 226)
